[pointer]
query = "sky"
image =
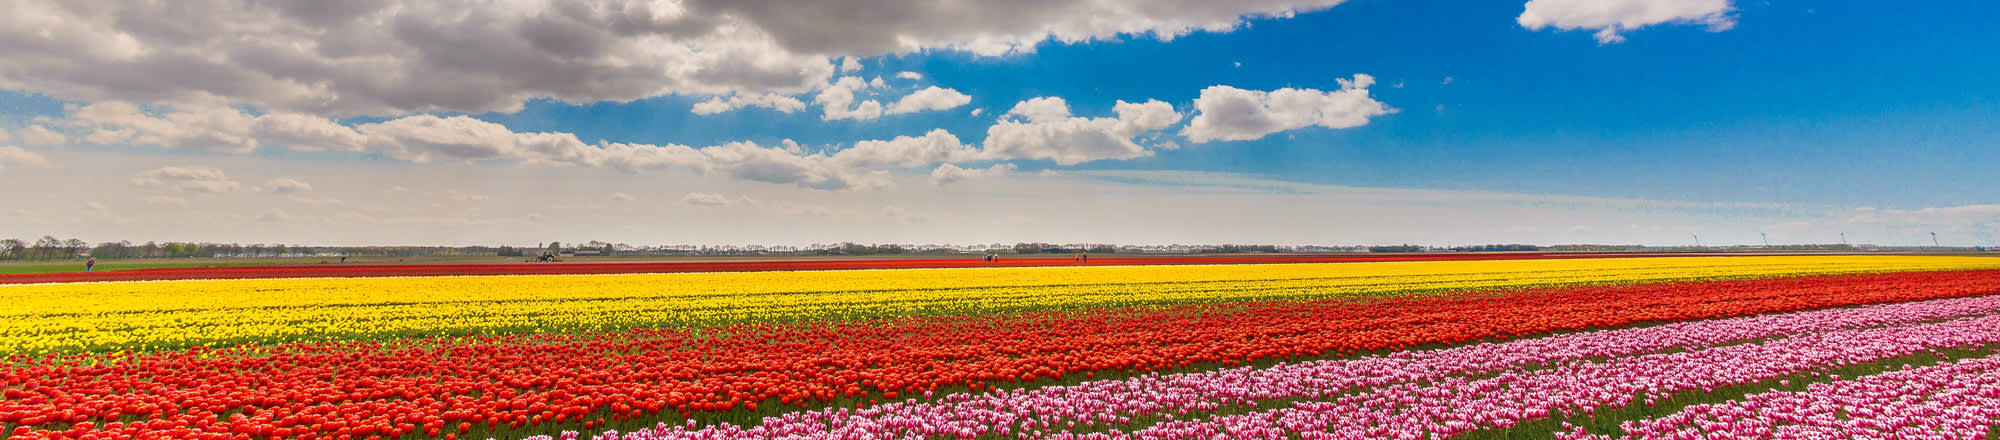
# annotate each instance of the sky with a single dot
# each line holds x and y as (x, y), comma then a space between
(1328, 122)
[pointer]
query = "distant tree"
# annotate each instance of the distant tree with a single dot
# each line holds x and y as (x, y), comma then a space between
(72, 247)
(47, 247)
(109, 250)
(13, 248)
(150, 250)
(1395, 249)
(172, 249)
(555, 246)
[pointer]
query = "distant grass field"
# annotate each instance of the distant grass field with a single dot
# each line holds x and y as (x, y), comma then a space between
(48, 267)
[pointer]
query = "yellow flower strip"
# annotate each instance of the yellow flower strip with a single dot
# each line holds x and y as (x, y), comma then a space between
(173, 314)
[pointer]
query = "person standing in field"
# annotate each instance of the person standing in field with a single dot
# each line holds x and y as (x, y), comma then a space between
(90, 264)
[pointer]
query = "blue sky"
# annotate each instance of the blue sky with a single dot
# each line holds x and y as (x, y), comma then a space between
(1812, 111)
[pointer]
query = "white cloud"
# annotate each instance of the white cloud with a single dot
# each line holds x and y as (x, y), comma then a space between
(425, 138)
(623, 197)
(977, 111)
(1446, 82)
(781, 103)
(205, 128)
(1232, 114)
(1049, 132)
(931, 98)
(937, 146)
(837, 101)
(185, 179)
(947, 174)
(1036, 129)
(910, 75)
(747, 161)
(707, 199)
(304, 132)
(208, 128)
(39, 135)
(394, 57)
(15, 157)
(1043, 109)
(285, 186)
(1610, 18)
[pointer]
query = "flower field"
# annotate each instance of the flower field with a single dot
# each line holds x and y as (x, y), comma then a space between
(1664, 347)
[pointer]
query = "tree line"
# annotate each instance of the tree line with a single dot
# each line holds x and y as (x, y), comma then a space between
(51, 248)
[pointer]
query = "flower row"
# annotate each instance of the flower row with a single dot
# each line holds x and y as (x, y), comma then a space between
(149, 316)
(1953, 400)
(1443, 393)
(446, 385)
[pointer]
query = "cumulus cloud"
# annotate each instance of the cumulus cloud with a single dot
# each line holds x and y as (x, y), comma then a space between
(285, 186)
(16, 157)
(205, 128)
(1232, 114)
(707, 199)
(748, 161)
(424, 138)
(931, 98)
(1042, 128)
(781, 103)
(1610, 18)
(937, 146)
(947, 174)
(185, 179)
(910, 75)
(837, 101)
(39, 135)
(391, 57)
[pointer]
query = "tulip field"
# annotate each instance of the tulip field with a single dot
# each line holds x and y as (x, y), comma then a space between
(1471, 347)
